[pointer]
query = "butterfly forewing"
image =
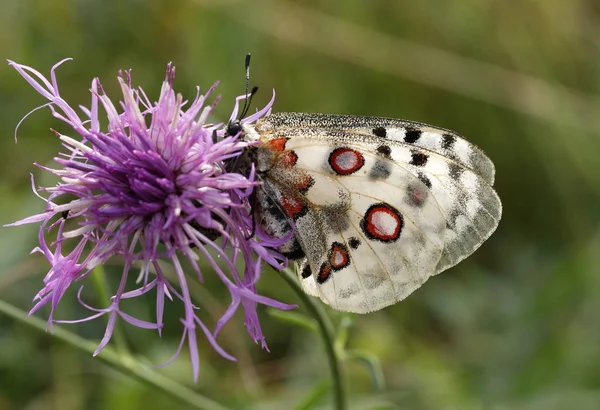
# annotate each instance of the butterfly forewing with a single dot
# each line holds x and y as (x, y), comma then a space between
(378, 205)
(442, 141)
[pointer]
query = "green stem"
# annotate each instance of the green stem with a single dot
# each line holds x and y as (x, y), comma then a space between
(328, 333)
(101, 286)
(126, 364)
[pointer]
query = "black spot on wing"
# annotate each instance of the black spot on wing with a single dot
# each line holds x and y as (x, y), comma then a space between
(424, 179)
(354, 242)
(412, 135)
(418, 159)
(306, 272)
(384, 150)
(455, 171)
(448, 141)
(380, 132)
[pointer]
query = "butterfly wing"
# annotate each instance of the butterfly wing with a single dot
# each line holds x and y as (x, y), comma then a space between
(444, 142)
(378, 215)
(459, 173)
(368, 244)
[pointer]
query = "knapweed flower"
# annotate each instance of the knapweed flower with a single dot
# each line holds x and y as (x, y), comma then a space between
(151, 187)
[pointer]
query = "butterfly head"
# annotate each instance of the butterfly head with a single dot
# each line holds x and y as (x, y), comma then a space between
(234, 127)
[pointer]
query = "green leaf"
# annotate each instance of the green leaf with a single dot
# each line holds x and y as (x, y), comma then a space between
(315, 396)
(294, 318)
(372, 364)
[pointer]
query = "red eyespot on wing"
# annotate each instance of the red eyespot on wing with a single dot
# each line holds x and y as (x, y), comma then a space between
(288, 159)
(346, 161)
(293, 206)
(382, 222)
(338, 256)
(324, 273)
(277, 144)
(304, 182)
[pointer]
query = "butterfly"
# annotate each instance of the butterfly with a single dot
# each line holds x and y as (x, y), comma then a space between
(376, 205)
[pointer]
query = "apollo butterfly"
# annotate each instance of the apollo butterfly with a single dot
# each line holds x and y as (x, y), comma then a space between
(377, 205)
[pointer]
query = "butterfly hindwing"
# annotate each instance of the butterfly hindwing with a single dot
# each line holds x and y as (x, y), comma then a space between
(368, 243)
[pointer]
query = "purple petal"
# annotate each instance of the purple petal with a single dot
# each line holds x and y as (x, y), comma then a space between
(152, 186)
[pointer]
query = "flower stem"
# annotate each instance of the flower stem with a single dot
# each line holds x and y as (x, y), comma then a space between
(126, 364)
(328, 333)
(101, 286)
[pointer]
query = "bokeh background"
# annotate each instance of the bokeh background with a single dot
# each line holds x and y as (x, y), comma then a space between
(515, 326)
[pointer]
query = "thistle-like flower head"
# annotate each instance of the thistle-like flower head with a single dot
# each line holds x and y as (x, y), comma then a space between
(152, 186)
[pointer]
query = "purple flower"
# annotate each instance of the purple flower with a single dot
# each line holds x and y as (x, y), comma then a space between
(153, 186)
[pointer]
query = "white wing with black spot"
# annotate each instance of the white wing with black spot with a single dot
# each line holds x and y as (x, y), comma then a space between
(376, 213)
(368, 243)
(444, 142)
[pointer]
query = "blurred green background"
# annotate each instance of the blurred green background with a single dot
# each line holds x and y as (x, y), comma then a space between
(515, 326)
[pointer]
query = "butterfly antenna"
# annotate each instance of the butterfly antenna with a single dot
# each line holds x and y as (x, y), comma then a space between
(250, 94)
(234, 127)
(247, 66)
